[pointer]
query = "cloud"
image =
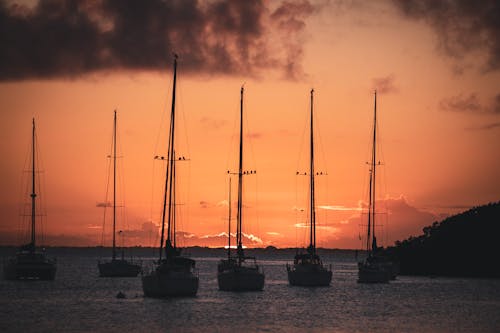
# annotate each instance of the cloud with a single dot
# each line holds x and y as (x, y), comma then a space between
(470, 103)
(461, 26)
(318, 227)
(461, 103)
(484, 127)
(289, 19)
(401, 219)
(215, 240)
(104, 204)
(69, 38)
(223, 203)
(253, 238)
(273, 233)
(340, 208)
(496, 104)
(148, 229)
(384, 85)
(205, 204)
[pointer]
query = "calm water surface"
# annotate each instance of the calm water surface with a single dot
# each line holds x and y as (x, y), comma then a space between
(79, 301)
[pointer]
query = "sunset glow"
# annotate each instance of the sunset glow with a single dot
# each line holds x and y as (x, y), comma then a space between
(438, 116)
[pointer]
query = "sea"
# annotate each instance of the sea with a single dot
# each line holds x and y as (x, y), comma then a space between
(78, 300)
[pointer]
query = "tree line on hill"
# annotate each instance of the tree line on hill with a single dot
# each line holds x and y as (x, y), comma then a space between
(466, 244)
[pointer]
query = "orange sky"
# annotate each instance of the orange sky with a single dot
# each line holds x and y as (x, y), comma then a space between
(439, 110)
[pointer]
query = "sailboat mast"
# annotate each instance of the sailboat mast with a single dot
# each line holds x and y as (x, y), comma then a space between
(169, 164)
(229, 224)
(240, 180)
(312, 209)
(33, 192)
(114, 187)
(172, 207)
(368, 233)
(374, 163)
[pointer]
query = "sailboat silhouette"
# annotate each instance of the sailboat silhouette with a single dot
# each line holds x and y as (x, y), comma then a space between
(307, 268)
(116, 267)
(174, 274)
(240, 272)
(28, 262)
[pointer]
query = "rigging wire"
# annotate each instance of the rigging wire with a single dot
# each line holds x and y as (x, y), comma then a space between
(106, 197)
(161, 133)
(298, 210)
(183, 214)
(249, 143)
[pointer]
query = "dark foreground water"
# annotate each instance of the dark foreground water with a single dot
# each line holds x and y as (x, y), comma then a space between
(79, 301)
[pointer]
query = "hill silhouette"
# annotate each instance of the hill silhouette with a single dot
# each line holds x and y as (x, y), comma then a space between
(466, 244)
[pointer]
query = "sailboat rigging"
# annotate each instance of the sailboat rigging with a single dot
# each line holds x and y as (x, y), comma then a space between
(239, 272)
(308, 269)
(117, 267)
(173, 275)
(375, 268)
(29, 263)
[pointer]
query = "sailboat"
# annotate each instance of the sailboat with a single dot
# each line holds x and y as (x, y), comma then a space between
(307, 268)
(239, 272)
(375, 268)
(117, 267)
(173, 275)
(28, 262)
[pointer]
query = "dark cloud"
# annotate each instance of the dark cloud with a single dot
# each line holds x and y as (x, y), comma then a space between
(289, 18)
(496, 104)
(69, 38)
(103, 204)
(205, 204)
(470, 103)
(484, 127)
(461, 103)
(462, 26)
(384, 85)
(148, 229)
(398, 220)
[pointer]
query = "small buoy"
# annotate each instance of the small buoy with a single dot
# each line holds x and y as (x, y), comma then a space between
(120, 295)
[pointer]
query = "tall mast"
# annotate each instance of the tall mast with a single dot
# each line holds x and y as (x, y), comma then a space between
(374, 163)
(312, 210)
(168, 177)
(240, 181)
(114, 187)
(371, 203)
(229, 224)
(33, 193)
(172, 207)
